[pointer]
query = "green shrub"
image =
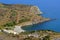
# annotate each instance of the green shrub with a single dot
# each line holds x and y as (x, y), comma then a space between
(46, 38)
(10, 23)
(23, 20)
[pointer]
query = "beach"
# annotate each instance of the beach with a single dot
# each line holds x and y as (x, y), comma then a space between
(18, 29)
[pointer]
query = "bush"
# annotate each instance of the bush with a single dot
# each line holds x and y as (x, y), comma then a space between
(46, 38)
(23, 20)
(10, 23)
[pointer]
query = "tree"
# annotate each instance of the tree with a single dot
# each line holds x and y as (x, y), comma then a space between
(46, 38)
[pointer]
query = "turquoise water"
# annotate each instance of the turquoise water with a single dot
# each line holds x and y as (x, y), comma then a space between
(50, 9)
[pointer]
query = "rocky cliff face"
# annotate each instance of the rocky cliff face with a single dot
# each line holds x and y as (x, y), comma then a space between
(11, 14)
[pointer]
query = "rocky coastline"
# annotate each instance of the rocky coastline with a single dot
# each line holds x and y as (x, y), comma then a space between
(31, 23)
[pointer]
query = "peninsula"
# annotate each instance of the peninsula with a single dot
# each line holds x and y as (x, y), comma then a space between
(21, 15)
(15, 16)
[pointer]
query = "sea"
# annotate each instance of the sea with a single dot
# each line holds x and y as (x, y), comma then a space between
(50, 9)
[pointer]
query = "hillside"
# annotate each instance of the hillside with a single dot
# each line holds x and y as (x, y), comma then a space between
(14, 14)
(33, 35)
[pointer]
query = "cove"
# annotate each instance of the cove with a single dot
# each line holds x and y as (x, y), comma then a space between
(50, 9)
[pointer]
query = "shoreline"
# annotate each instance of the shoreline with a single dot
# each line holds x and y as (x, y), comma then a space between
(30, 23)
(18, 28)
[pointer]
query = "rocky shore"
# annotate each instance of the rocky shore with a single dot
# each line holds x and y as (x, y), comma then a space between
(35, 22)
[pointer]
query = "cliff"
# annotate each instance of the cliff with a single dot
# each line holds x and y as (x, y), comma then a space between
(14, 14)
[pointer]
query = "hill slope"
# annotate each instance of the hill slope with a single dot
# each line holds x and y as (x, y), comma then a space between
(14, 14)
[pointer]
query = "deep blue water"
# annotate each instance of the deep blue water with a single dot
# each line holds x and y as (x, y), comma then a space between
(50, 9)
